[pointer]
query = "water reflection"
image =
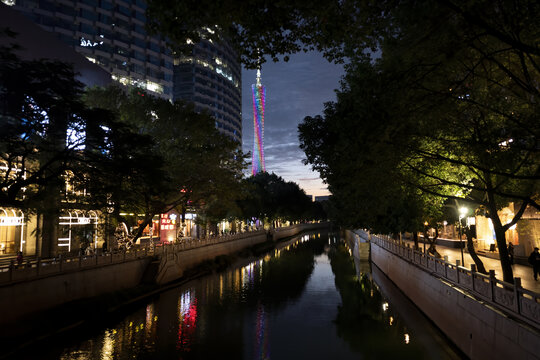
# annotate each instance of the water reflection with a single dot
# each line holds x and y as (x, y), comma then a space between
(305, 299)
(262, 350)
(187, 320)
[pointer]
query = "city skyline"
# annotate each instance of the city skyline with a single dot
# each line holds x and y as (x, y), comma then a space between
(294, 90)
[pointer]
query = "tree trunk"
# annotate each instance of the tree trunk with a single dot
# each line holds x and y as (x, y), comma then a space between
(470, 247)
(432, 243)
(49, 234)
(147, 221)
(415, 239)
(500, 233)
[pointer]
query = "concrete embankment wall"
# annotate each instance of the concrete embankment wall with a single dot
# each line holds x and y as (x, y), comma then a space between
(174, 264)
(358, 243)
(478, 329)
(43, 293)
(28, 294)
(282, 233)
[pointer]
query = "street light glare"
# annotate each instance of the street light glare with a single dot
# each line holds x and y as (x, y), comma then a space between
(463, 211)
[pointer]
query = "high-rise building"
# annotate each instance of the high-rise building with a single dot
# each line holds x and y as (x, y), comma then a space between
(110, 33)
(34, 43)
(259, 95)
(210, 77)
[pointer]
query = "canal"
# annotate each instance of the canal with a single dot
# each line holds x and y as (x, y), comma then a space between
(307, 299)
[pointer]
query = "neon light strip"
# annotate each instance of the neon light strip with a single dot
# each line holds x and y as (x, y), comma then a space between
(257, 160)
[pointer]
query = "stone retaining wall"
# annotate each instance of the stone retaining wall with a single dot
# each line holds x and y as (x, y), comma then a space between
(46, 284)
(175, 262)
(479, 329)
(38, 294)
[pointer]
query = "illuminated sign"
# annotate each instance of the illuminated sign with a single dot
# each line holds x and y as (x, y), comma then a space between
(166, 223)
(11, 221)
(89, 43)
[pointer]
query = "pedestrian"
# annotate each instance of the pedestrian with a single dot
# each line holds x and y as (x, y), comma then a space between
(19, 258)
(104, 248)
(511, 252)
(534, 260)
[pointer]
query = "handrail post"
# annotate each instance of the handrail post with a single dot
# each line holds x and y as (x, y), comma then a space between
(11, 269)
(492, 284)
(458, 263)
(38, 265)
(517, 287)
(473, 271)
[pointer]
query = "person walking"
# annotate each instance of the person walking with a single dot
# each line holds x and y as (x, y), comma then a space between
(511, 252)
(19, 259)
(534, 260)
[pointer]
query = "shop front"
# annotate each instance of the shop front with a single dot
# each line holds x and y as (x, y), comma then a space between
(12, 231)
(524, 235)
(172, 227)
(78, 231)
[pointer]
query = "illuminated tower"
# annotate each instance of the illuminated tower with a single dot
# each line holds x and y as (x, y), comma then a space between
(259, 94)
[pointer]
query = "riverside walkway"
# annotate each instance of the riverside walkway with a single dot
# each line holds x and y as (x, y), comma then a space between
(521, 271)
(33, 267)
(484, 316)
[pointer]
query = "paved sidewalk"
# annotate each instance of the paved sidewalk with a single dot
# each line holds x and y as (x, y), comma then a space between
(522, 271)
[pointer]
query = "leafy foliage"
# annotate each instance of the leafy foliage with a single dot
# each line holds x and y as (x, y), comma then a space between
(269, 198)
(179, 159)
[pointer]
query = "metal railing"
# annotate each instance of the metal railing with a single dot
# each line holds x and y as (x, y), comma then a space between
(30, 270)
(33, 268)
(192, 243)
(37, 267)
(514, 299)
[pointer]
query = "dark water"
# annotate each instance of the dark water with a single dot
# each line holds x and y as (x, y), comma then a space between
(307, 300)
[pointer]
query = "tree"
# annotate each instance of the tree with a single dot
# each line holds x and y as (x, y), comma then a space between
(447, 140)
(468, 75)
(42, 138)
(183, 161)
(270, 198)
(39, 105)
(349, 147)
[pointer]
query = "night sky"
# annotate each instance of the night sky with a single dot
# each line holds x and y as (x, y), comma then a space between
(294, 90)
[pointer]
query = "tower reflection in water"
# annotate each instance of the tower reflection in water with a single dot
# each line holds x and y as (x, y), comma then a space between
(262, 346)
(187, 320)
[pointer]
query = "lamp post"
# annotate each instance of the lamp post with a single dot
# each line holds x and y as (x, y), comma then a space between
(173, 218)
(462, 213)
(425, 234)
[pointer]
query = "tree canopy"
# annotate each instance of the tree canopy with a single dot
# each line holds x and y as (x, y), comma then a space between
(184, 160)
(269, 197)
(448, 111)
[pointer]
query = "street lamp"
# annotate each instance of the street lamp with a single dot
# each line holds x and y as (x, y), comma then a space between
(462, 212)
(425, 234)
(173, 218)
